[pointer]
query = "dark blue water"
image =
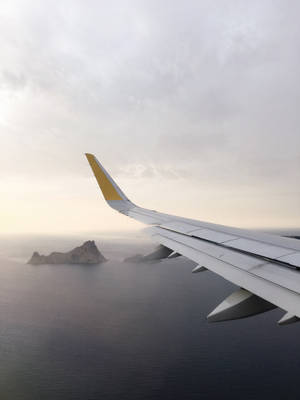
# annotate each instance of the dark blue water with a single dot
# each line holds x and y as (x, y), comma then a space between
(134, 331)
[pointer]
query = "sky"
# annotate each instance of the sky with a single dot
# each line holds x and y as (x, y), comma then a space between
(192, 106)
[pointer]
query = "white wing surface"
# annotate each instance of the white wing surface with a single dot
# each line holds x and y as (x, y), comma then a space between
(265, 267)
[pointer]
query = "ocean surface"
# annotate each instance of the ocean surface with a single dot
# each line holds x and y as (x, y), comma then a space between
(131, 331)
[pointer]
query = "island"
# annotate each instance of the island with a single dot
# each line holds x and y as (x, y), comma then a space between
(88, 253)
(161, 252)
(137, 258)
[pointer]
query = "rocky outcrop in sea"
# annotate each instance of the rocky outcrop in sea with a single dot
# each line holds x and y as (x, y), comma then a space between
(88, 253)
(161, 252)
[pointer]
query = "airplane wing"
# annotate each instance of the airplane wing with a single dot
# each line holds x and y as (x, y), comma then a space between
(265, 267)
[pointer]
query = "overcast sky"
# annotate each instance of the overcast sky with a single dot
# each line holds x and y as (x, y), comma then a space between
(193, 106)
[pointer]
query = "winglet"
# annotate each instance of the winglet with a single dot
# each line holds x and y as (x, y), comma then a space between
(111, 191)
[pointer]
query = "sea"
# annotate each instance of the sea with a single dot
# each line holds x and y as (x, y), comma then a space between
(121, 330)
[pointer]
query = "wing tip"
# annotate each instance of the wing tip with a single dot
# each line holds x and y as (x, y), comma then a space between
(107, 185)
(89, 155)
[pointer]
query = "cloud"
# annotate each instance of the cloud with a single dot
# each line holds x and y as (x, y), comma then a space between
(200, 91)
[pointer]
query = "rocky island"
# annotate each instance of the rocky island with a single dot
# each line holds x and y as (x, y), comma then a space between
(137, 258)
(161, 252)
(88, 253)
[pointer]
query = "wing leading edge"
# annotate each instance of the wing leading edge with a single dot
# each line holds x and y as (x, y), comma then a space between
(265, 266)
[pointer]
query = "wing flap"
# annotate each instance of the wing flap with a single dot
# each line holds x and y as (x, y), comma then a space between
(249, 246)
(281, 296)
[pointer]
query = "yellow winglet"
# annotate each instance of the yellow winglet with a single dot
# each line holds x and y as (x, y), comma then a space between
(103, 179)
